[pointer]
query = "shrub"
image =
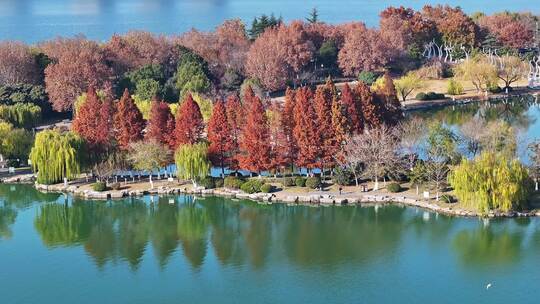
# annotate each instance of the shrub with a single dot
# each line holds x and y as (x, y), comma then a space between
(219, 182)
(287, 182)
(232, 182)
(421, 96)
(313, 182)
(448, 199)
(99, 186)
(115, 186)
(252, 186)
(494, 88)
(300, 182)
(394, 187)
(454, 87)
(342, 176)
(434, 96)
(15, 163)
(267, 188)
(367, 77)
(207, 182)
(436, 69)
(429, 96)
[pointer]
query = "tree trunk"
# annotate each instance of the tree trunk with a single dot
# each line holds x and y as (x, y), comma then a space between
(376, 186)
(151, 182)
(417, 190)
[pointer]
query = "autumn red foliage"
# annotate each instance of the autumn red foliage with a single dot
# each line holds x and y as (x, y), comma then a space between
(136, 49)
(279, 54)
(189, 122)
(220, 137)
(93, 122)
(351, 102)
(78, 64)
(224, 48)
(17, 64)
(340, 130)
(279, 152)
(405, 29)
(510, 31)
(387, 96)
(287, 121)
(128, 122)
(372, 110)
(306, 131)
(324, 96)
(236, 118)
(160, 126)
(453, 24)
(363, 49)
(254, 145)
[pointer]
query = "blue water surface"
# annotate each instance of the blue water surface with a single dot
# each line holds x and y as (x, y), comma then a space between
(36, 20)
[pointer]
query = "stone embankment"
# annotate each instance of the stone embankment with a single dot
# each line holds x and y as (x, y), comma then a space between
(18, 179)
(358, 199)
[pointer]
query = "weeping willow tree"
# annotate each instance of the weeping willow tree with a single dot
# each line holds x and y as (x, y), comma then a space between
(24, 115)
(56, 156)
(491, 182)
(192, 162)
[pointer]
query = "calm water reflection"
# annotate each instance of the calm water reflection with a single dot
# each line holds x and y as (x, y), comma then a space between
(202, 250)
(522, 113)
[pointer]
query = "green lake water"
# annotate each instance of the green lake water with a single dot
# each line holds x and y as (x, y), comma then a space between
(181, 249)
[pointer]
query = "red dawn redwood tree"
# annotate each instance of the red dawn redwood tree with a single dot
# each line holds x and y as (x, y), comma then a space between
(306, 130)
(340, 127)
(189, 122)
(161, 124)
(324, 96)
(372, 111)
(236, 119)
(353, 108)
(278, 141)
(93, 122)
(290, 148)
(220, 137)
(388, 98)
(128, 122)
(254, 142)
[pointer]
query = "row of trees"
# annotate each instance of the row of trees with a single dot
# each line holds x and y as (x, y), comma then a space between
(274, 53)
(308, 131)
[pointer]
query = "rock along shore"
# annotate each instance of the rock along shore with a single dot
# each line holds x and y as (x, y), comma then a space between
(314, 200)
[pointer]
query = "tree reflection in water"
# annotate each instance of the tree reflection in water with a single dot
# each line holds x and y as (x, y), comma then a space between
(496, 244)
(14, 198)
(246, 234)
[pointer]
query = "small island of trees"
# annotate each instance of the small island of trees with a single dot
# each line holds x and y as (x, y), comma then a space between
(278, 99)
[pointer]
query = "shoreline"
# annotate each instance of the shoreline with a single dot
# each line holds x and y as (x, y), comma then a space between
(415, 105)
(312, 199)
